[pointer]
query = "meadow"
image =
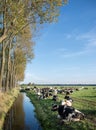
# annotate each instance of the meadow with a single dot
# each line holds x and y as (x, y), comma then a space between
(83, 100)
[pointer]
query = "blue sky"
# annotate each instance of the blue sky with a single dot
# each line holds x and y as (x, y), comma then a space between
(65, 52)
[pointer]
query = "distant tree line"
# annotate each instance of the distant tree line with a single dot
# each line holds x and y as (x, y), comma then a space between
(18, 21)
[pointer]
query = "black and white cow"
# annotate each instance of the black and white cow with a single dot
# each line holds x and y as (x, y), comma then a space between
(68, 113)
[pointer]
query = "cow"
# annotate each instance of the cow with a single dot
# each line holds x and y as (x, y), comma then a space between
(67, 97)
(68, 113)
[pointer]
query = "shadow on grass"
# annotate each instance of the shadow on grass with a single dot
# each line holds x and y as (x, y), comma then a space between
(89, 112)
(89, 96)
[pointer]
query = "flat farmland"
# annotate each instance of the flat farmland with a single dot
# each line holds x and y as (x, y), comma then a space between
(83, 99)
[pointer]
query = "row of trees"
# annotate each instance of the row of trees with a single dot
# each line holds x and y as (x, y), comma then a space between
(18, 22)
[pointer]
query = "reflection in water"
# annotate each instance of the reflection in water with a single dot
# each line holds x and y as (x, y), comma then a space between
(22, 115)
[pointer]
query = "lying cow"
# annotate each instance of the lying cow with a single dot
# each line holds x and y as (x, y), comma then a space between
(67, 112)
(55, 97)
(68, 98)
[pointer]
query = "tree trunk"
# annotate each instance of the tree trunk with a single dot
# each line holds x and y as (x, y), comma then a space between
(11, 74)
(2, 65)
(8, 68)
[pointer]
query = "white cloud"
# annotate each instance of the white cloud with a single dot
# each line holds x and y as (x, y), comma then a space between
(74, 54)
(87, 39)
(68, 36)
(65, 53)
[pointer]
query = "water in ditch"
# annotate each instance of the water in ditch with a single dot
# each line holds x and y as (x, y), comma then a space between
(22, 116)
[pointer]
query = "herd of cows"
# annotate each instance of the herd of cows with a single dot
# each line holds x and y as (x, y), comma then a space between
(66, 112)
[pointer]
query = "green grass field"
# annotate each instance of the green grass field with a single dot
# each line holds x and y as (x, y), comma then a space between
(83, 100)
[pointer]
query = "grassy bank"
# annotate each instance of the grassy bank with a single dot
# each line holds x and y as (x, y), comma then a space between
(84, 100)
(6, 101)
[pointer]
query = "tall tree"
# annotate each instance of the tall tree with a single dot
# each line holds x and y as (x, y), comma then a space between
(30, 11)
(15, 18)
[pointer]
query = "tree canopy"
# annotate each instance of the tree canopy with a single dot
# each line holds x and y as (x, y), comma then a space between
(17, 18)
